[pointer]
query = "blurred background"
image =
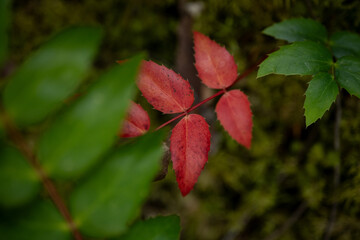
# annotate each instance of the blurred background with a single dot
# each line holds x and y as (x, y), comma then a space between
(282, 188)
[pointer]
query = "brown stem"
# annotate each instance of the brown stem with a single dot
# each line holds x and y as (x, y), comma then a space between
(20, 142)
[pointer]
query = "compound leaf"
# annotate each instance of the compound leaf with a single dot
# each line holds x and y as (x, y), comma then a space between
(87, 129)
(345, 44)
(234, 113)
(321, 93)
(189, 147)
(298, 58)
(348, 74)
(298, 29)
(159, 228)
(51, 74)
(136, 123)
(104, 205)
(215, 65)
(165, 90)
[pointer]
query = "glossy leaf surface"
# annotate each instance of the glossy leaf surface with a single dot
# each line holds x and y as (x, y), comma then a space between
(165, 90)
(136, 123)
(110, 199)
(215, 65)
(87, 129)
(299, 58)
(18, 181)
(321, 93)
(298, 29)
(41, 222)
(345, 44)
(51, 74)
(189, 147)
(348, 74)
(159, 228)
(234, 113)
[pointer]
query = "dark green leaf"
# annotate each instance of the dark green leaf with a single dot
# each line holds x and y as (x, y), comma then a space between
(111, 198)
(299, 58)
(18, 181)
(159, 228)
(41, 222)
(4, 23)
(321, 93)
(348, 74)
(88, 129)
(298, 29)
(51, 74)
(345, 44)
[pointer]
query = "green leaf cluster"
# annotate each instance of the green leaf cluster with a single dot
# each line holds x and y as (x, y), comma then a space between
(75, 143)
(334, 62)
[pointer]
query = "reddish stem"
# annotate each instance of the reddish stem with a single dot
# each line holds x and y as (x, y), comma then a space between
(242, 76)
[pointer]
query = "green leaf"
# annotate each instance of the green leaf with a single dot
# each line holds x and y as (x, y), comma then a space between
(51, 74)
(347, 72)
(298, 29)
(321, 93)
(4, 24)
(111, 198)
(299, 58)
(87, 130)
(345, 44)
(18, 181)
(41, 222)
(159, 228)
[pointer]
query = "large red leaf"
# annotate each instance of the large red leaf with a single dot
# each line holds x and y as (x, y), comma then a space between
(189, 146)
(136, 123)
(233, 111)
(215, 65)
(165, 90)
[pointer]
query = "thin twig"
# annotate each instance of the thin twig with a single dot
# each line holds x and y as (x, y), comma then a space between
(337, 171)
(289, 222)
(20, 142)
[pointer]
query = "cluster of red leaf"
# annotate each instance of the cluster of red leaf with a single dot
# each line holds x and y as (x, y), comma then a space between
(169, 93)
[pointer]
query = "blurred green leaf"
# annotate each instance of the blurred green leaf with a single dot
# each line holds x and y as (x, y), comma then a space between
(51, 74)
(18, 181)
(4, 23)
(345, 44)
(41, 222)
(321, 93)
(347, 73)
(112, 196)
(298, 29)
(299, 58)
(159, 228)
(84, 132)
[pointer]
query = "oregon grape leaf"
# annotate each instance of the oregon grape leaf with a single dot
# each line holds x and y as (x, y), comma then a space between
(234, 113)
(347, 73)
(136, 123)
(165, 90)
(215, 65)
(345, 44)
(189, 147)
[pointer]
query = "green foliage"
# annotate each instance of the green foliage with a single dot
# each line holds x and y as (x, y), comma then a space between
(312, 58)
(50, 75)
(4, 23)
(121, 184)
(160, 228)
(321, 93)
(298, 29)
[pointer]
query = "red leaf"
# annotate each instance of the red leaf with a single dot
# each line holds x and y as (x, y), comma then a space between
(233, 111)
(189, 147)
(136, 123)
(165, 90)
(215, 65)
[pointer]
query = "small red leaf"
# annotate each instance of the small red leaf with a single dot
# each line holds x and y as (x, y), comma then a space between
(215, 65)
(233, 111)
(189, 147)
(165, 90)
(136, 123)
